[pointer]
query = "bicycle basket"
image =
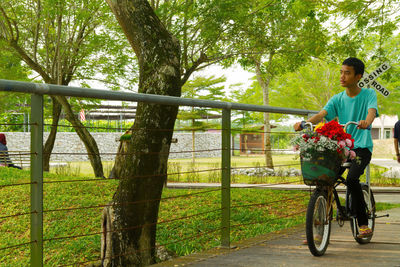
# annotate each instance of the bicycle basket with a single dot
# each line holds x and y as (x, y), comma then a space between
(321, 169)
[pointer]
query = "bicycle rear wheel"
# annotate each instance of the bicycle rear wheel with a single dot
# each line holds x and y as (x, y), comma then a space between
(318, 223)
(370, 203)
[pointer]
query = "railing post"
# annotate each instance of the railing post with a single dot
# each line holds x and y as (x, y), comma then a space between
(368, 178)
(226, 178)
(37, 180)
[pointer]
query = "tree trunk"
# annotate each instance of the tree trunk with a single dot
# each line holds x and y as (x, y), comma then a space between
(264, 83)
(49, 145)
(141, 162)
(85, 136)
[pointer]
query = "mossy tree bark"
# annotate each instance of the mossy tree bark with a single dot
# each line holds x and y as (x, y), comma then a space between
(141, 164)
(49, 145)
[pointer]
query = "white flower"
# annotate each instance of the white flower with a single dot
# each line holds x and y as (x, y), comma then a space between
(349, 143)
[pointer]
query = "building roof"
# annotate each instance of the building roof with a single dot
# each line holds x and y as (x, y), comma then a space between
(388, 121)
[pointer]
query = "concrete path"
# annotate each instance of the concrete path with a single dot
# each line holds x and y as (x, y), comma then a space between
(388, 163)
(286, 249)
(392, 165)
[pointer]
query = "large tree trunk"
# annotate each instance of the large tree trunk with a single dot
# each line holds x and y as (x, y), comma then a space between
(49, 145)
(264, 83)
(85, 136)
(141, 164)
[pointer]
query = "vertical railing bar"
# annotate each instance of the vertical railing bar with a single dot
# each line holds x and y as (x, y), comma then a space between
(368, 178)
(368, 175)
(20, 159)
(37, 180)
(226, 178)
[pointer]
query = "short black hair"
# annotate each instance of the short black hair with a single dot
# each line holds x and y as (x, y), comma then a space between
(357, 64)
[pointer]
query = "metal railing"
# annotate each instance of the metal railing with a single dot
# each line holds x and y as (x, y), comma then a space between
(36, 155)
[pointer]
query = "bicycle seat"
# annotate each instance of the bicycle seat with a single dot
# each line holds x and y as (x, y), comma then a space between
(346, 164)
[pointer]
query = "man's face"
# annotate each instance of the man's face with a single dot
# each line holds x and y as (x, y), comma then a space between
(348, 78)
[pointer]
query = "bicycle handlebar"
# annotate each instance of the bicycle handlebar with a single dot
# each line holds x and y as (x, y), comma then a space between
(355, 123)
(305, 124)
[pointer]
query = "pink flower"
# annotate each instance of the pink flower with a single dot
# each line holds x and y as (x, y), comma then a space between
(349, 143)
(352, 154)
(296, 148)
(346, 152)
(342, 144)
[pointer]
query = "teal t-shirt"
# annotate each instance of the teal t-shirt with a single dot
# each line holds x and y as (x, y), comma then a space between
(353, 109)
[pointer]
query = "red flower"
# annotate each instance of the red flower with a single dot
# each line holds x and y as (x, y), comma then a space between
(334, 131)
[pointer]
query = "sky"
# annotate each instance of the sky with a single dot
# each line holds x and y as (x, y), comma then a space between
(234, 75)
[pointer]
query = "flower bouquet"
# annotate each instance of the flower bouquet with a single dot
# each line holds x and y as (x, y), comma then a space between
(322, 152)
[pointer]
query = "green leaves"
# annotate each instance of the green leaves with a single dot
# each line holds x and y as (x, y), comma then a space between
(68, 40)
(208, 88)
(309, 87)
(11, 68)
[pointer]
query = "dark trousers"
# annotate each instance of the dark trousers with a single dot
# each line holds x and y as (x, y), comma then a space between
(353, 184)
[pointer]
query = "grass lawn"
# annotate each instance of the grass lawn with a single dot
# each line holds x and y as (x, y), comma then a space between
(280, 161)
(72, 219)
(184, 225)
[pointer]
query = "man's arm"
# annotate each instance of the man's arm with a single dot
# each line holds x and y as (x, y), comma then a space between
(396, 140)
(368, 121)
(396, 149)
(314, 119)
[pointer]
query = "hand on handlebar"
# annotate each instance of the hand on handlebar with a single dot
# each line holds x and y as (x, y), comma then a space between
(363, 124)
(297, 126)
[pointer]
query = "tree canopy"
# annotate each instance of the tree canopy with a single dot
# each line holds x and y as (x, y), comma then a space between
(11, 68)
(200, 87)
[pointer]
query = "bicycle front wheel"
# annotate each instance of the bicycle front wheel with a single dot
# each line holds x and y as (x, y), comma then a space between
(318, 223)
(370, 205)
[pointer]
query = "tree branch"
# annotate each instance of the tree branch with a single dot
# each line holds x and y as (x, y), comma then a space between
(37, 29)
(34, 65)
(195, 65)
(8, 22)
(57, 73)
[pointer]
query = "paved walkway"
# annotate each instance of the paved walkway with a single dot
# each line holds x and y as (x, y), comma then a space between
(286, 249)
(392, 165)
(388, 163)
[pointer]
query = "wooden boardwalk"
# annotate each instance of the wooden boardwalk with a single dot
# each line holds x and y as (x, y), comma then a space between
(286, 249)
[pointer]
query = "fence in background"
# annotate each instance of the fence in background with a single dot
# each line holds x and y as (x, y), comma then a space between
(39, 254)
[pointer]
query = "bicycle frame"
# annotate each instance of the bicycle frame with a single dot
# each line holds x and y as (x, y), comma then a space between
(343, 211)
(318, 221)
(341, 179)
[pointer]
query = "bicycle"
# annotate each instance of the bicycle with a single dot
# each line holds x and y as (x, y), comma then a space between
(319, 214)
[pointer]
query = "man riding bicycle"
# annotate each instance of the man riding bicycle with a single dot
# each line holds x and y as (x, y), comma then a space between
(353, 104)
